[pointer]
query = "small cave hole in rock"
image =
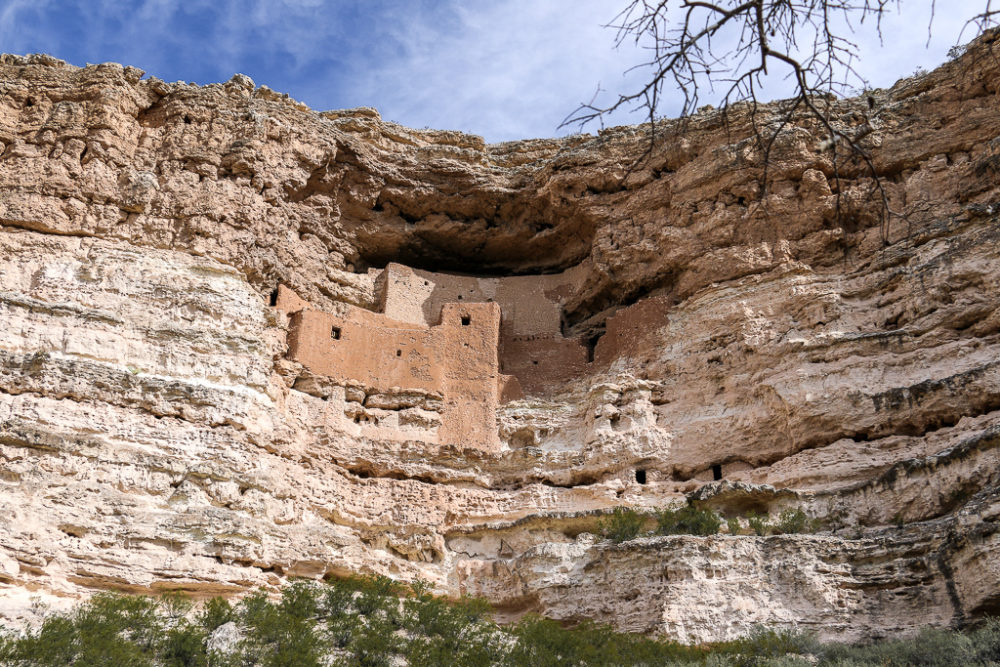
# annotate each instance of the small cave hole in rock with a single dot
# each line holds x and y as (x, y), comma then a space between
(399, 353)
(591, 345)
(466, 320)
(30, 102)
(187, 120)
(459, 297)
(717, 472)
(534, 362)
(335, 333)
(426, 283)
(640, 476)
(274, 297)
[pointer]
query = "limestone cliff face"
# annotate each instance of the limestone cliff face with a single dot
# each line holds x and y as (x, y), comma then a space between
(158, 431)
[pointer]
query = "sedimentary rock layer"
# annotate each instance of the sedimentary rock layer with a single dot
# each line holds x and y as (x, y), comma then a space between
(782, 335)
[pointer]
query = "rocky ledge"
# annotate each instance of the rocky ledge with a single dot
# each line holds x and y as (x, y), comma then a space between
(807, 352)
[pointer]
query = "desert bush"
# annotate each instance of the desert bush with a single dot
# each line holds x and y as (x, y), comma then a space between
(622, 524)
(284, 633)
(758, 523)
(544, 642)
(930, 648)
(733, 526)
(795, 521)
(299, 630)
(214, 613)
(376, 592)
(107, 629)
(766, 646)
(687, 520)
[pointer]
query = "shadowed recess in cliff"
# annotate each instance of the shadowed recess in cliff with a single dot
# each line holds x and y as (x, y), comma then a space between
(482, 233)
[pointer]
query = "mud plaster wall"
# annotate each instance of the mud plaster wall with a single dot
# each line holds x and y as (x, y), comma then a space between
(632, 330)
(457, 357)
(530, 305)
(532, 346)
(532, 349)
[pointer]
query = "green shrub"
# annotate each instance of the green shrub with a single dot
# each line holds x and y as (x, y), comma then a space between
(622, 524)
(216, 612)
(300, 629)
(184, 646)
(758, 523)
(733, 526)
(763, 645)
(284, 633)
(687, 520)
(376, 591)
(543, 642)
(795, 521)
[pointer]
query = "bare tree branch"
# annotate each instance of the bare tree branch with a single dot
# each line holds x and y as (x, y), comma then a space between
(696, 45)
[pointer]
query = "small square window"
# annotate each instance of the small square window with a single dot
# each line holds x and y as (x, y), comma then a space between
(466, 320)
(335, 333)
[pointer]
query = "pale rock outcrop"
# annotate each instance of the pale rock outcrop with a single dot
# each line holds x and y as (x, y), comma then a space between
(155, 435)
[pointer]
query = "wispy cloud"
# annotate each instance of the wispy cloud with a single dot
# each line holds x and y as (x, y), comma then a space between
(504, 69)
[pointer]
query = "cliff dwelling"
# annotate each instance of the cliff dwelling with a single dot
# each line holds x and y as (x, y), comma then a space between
(464, 344)
(243, 342)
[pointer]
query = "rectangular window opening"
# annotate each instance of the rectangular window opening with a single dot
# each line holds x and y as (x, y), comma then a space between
(335, 333)
(466, 320)
(717, 472)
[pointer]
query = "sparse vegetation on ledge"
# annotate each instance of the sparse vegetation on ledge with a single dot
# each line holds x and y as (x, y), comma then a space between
(374, 621)
(624, 523)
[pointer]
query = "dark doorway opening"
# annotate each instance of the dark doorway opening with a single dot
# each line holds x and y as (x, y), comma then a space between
(717, 472)
(640, 476)
(335, 333)
(274, 297)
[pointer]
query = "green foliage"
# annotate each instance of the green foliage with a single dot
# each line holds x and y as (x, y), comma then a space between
(544, 642)
(931, 647)
(622, 524)
(687, 520)
(764, 646)
(733, 526)
(795, 521)
(108, 629)
(216, 612)
(283, 634)
(315, 624)
(758, 523)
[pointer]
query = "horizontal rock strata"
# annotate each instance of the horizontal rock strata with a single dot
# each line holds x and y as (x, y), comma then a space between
(156, 434)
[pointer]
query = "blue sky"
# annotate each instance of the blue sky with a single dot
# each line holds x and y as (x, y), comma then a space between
(503, 69)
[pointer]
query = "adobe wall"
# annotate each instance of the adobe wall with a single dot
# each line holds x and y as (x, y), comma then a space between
(532, 347)
(530, 305)
(511, 346)
(456, 358)
(630, 329)
(543, 363)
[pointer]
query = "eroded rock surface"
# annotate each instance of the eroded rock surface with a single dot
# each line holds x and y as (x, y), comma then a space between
(664, 325)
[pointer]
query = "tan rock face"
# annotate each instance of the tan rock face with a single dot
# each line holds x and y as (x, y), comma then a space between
(177, 413)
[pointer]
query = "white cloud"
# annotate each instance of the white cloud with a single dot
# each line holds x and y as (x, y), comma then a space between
(504, 69)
